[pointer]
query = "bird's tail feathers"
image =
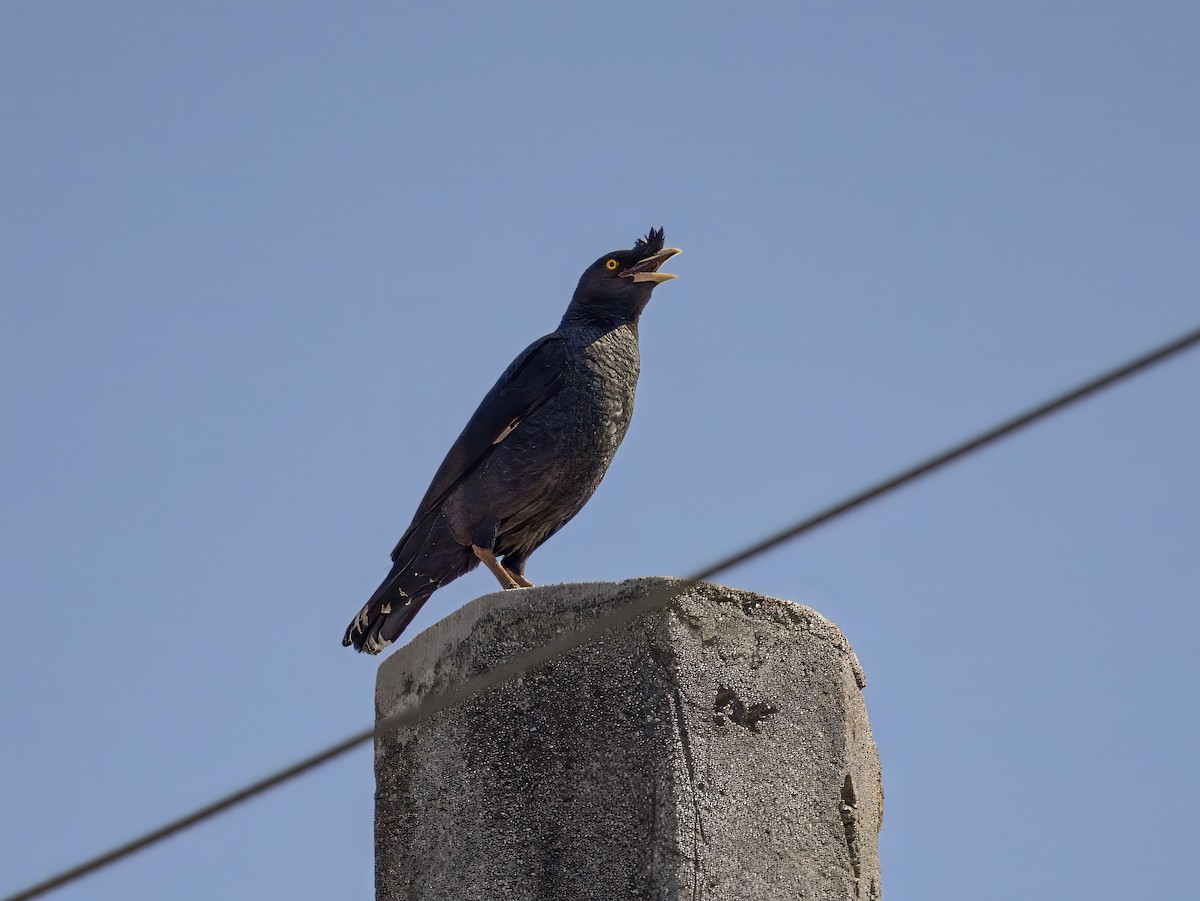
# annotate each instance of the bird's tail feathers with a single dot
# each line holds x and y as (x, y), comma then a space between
(385, 615)
(429, 546)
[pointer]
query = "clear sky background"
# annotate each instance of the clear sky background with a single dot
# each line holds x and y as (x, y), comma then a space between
(259, 261)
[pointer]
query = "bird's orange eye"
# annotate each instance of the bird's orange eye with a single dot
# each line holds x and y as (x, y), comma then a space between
(611, 264)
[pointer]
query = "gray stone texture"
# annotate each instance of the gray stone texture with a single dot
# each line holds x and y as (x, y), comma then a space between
(715, 749)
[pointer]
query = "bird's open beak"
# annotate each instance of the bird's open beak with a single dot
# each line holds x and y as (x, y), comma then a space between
(647, 270)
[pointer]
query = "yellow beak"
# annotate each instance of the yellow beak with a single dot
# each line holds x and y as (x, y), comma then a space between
(644, 270)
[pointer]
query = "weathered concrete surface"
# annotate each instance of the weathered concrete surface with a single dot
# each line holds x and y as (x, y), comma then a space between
(718, 749)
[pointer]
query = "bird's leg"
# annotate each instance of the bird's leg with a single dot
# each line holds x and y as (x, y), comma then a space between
(489, 560)
(515, 564)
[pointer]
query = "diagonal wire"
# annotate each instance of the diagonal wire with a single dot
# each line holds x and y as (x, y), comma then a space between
(654, 600)
(209, 810)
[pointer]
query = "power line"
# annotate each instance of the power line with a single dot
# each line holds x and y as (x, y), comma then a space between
(1041, 411)
(655, 600)
(209, 810)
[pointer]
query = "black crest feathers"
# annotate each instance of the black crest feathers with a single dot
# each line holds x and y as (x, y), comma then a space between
(652, 243)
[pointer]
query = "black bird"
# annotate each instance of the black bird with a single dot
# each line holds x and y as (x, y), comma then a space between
(534, 451)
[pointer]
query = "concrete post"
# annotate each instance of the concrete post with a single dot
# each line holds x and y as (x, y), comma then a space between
(717, 749)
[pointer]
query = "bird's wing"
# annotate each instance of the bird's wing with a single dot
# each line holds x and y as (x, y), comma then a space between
(533, 378)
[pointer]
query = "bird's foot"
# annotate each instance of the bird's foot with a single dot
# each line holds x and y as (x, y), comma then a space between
(503, 576)
(521, 581)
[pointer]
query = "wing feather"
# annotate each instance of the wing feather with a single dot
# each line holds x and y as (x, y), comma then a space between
(530, 380)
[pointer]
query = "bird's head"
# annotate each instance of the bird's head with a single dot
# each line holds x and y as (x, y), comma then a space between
(616, 288)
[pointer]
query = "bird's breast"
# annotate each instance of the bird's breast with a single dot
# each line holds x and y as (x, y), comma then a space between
(601, 388)
(543, 472)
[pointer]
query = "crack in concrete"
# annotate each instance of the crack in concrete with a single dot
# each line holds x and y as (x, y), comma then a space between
(848, 810)
(685, 742)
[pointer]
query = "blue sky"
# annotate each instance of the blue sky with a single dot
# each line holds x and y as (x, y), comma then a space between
(258, 262)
